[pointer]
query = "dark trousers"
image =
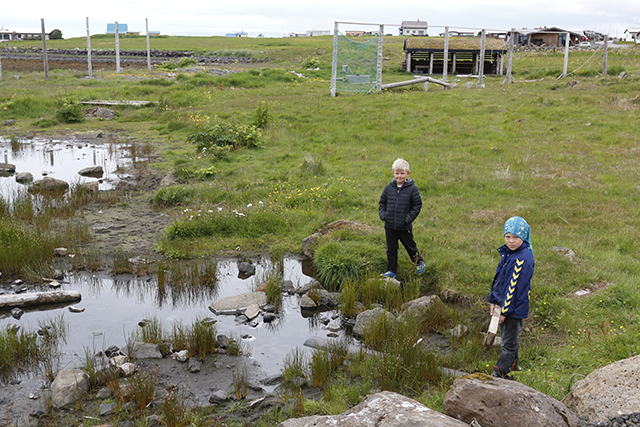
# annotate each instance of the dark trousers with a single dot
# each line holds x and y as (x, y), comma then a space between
(508, 360)
(406, 237)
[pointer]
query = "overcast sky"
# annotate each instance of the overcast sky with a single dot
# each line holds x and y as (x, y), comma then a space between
(277, 18)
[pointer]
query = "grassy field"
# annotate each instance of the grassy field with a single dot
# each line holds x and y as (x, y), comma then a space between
(562, 153)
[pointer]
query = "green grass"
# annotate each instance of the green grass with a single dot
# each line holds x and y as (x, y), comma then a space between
(563, 156)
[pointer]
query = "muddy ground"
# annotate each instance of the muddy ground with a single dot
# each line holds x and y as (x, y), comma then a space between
(133, 226)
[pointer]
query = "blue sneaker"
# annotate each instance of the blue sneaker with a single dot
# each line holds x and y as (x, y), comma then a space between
(420, 268)
(389, 274)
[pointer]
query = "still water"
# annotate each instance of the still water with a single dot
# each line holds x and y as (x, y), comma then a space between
(114, 306)
(61, 159)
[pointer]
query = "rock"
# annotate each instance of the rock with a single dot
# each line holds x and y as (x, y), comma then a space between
(182, 356)
(230, 305)
(273, 379)
(24, 177)
(48, 185)
(141, 350)
(385, 409)
(364, 319)
(607, 392)
(252, 311)
(329, 299)
(9, 122)
(154, 421)
(75, 309)
(419, 305)
(90, 187)
(194, 365)
(92, 172)
(246, 269)
(222, 341)
(499, 402)
(459, 330)
(7, 168)
(106, 409)
(314, 284)
(169, 180)
(68, 386)
(127, 369)
(307, 302)
(98, 113)
(60, 252)
(269, 317)
(112, 351)
(118, 360)
(104, 393)
(567, 252)
(218, 397)
(468, 85)
(17, 313)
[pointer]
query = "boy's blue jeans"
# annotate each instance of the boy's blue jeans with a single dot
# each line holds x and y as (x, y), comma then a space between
(406, 237)
(508, 360)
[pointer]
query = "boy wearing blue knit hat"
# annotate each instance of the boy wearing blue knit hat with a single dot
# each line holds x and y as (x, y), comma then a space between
(510, 290)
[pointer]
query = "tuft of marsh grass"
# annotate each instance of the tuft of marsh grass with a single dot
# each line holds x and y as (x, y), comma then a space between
(143, 386)
(121, 262)
(201, 338)
(240, 383)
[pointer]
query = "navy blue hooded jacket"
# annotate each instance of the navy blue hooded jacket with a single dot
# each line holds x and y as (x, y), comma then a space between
(512, 282)
(400, 206)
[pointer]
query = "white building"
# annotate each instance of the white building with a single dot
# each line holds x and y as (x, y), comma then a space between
(414, 28)
(7, 34)
(631, 34)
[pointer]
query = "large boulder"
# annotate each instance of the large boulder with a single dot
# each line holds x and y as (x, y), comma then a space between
(69, 386)
(365, 318)
(385, 409)
(143, 350)
(497, 402)
(48, 185)
(231, 305)
(607, 392)
(92, 172)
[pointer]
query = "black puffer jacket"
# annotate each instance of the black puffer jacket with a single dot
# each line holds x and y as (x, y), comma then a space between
(399, 207)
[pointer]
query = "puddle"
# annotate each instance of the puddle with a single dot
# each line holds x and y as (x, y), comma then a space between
(115, 305)
(60, 159)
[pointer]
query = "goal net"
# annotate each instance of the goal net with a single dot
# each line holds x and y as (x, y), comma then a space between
(357, 61)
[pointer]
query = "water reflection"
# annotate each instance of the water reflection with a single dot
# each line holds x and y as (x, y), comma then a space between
(115, 305)
(61, 159)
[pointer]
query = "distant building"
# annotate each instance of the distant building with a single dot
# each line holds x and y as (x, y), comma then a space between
(240, 34)
(313, 33)
(7, 34)
(414, 28)
(632, 34)
(154, 33)
(122, 28)
(354, 33)
(551, 36)
(296, 35)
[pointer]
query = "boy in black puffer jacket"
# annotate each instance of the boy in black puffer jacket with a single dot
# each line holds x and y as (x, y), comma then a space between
(399, 206)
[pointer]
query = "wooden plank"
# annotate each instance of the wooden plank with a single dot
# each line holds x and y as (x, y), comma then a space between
(107, 102)
(38, 298)
(415, 81)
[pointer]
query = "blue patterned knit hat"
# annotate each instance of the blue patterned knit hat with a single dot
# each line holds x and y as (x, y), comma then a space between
(519, 227)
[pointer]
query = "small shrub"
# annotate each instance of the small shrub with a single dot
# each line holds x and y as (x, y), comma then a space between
(225, 135)
(338, 262)
(70, 112)
(185, 62)
(174, 195)
(310, 62)
(261, 116)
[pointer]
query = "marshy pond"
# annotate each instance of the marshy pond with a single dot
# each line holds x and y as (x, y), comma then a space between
(115, 305)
